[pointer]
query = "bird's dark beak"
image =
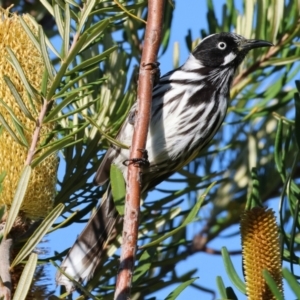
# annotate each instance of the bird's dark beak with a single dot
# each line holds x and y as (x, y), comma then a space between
(251, 44)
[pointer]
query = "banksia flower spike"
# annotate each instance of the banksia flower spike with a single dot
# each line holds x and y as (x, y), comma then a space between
(19, 137)
(261, 251)
(41, 189)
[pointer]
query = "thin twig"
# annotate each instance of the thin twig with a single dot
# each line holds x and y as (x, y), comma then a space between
(36, 134)
(133, 191)
(128, 12)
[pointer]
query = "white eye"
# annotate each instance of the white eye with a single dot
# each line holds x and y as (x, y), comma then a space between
(222, 45)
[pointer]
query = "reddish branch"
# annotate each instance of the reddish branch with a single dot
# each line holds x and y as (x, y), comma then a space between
(133, 191)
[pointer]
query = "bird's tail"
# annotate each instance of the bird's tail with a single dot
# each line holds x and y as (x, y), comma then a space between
(86, 253)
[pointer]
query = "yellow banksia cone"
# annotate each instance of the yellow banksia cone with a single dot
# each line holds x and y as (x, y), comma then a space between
(261, 251)
(41, 189)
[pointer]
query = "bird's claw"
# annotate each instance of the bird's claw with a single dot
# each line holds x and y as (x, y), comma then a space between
(138, 162)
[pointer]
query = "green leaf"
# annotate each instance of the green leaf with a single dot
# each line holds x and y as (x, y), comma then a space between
(17, 124)
(272, 285)
(118, 188)
(18, 98)
(173, 295)
(59, 21)
(20, 130)
(190, 218)
(94, 32)
(261, 20)
(48, 6)
(85, 14)
(15, 63)
(254, 199)
(280, 61)
(45, 54)
(110, 139)
(26, 279)
(221, 287)
(18, 199)
(60, 144)
(230, 270)
(74, 91)
(61, 73)
(92, 61)
(292, 281)
(278, 149)
(39, 233)
(297, 118)
(71, 113)
(30, 33)
(143, 267)
(70, 84)
(67, 25)
(2, 211)
(276, 18)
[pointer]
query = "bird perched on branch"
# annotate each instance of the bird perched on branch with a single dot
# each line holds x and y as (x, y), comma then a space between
(189, 104)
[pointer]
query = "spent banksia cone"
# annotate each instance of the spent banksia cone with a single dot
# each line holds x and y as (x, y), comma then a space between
(261, 251)
(41, 189)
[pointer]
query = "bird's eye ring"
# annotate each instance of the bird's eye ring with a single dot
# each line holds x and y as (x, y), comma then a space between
(222, 45)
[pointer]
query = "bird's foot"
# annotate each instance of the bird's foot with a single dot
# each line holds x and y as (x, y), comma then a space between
(138, 162)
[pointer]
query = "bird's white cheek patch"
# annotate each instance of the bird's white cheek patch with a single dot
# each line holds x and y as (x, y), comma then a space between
(228, 58)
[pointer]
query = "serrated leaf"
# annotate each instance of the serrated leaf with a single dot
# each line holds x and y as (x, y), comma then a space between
(276, 18)
(48, 6)
(249, 11)
(254, 199)
(281, 61)
(61, 144)
(110, 139)
(18, 126)
(45, 54)
(72, 82)
(18, 98)
(94, 32)
(190, 218)
(39, 233)
(92, 61)
(173, 295)
(15, 63)
(59, 20)
(20, 130)
(71, 113)
(61, 73)
(30, 33)
(143, 266)
(85, 14)
(67, 25)
(26, 278)
(231, 272)
(118, 188)
(18, 199)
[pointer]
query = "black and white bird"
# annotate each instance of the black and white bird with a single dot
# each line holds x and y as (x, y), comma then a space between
(189, 104)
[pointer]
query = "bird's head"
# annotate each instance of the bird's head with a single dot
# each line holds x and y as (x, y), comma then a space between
(225, 49)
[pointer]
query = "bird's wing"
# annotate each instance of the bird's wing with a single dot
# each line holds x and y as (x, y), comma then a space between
(102, 174)
(115, 154)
